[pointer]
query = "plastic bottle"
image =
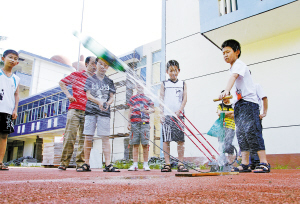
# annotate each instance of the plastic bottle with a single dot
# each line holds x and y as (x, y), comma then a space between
(101, 52)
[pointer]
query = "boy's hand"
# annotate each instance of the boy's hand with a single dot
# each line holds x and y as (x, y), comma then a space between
(129, 126)
(101, 105)
(105, 106)
(14, 115)
(225, 93)
(71, 98)
(178, 113)
(261, 116)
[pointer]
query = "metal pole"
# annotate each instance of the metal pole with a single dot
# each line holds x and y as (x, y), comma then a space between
(80, 32)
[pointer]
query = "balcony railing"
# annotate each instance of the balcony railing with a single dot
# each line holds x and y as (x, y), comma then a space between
(227, 6)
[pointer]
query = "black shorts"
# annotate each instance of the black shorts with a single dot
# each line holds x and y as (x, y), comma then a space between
(6, 123)
(170, 131)
(248, 126)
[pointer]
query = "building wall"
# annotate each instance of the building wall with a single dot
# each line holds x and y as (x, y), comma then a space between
(273, 63)
(46, 75)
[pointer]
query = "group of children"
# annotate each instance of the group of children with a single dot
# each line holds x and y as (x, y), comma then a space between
(93, 93)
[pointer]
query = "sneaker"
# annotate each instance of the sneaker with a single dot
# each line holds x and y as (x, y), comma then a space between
(146, 168)
(133, 168)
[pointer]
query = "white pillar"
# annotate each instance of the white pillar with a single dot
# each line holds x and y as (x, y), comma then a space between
(228, 5)
(222, 7)
(233, 2)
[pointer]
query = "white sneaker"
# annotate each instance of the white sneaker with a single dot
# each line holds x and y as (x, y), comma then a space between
(133, 168)
(146, 168)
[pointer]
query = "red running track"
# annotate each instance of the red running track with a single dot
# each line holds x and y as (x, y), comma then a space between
(50, 185)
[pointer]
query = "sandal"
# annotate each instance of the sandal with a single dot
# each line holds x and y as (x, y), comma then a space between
(166, 168)
(62, 167)
(244, 170)
(111, 168)
(83, 168)
(3, 167)
(266, 168)
(182, 168)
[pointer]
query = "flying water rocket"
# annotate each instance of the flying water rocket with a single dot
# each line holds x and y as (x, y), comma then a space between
(101, 52)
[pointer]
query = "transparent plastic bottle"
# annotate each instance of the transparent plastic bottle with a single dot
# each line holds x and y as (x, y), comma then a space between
(101, 52)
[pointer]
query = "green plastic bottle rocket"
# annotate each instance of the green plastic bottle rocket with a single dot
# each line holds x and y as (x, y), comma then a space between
(101, 52)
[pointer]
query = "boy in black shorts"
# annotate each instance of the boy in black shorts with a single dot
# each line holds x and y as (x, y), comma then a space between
(173, 93)
(9, 99)
(246, 109)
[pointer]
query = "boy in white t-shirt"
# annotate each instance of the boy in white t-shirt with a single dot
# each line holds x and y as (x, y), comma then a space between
(263, 105)
(9, 99)
(246, 109)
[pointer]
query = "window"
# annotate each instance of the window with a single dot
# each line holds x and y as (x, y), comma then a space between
(35, 104)
(42, 102)
(48, 100)
(156, 73)
(156, 56)
(62, 95)
(60, 107)
(55, 98)
(142, 62)
(24, 108)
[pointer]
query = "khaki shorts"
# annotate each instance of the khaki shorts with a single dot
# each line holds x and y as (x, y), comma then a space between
(140, 134)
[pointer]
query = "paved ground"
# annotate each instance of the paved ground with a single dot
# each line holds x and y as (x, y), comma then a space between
(45, 185)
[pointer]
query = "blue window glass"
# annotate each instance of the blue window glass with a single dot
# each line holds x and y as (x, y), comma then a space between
(43, 111)
(142, 62)
(54, 110)
(143, 73)
(62, 95)
(24, 108)
(48, 100)
(68, 103)
(19, 108)
(30, 106)
(49, 110)
(59, 107)
(18, 118)
(29, 115)
(39, 113)
(55, 97)
(42, 102)
(64, 106)
(156, 56)
(33, 118)
(35, 104)
(23, 117)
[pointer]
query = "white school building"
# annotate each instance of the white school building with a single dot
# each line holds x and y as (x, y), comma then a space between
(269, 34)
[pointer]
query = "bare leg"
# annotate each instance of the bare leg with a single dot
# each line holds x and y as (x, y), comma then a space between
(180, 149)
(166, 147)
(3, 143)
(88, 143)
(106, 149)
(245, 157)
(135, 153)
(145, 153)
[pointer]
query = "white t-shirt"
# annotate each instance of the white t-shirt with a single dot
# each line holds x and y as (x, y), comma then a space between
(260, 95)
(8, 87)
(173, 96)
(244, 88)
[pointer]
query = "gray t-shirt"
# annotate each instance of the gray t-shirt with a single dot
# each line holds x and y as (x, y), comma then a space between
(100, 89)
